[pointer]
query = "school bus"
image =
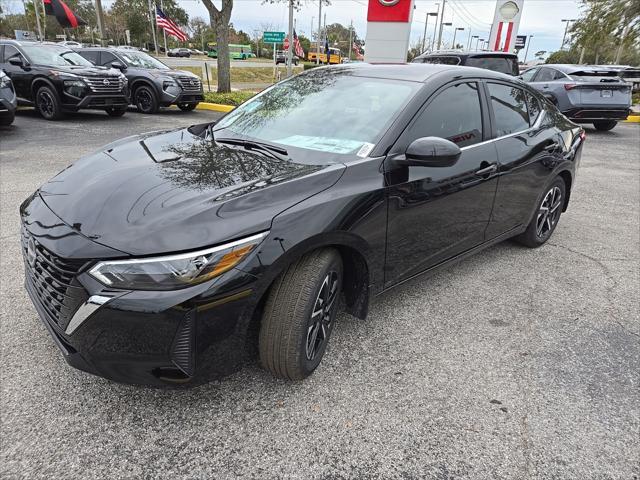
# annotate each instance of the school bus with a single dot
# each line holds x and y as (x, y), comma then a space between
(335, 56)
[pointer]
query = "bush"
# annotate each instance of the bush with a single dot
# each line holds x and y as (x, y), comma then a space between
(231, 98)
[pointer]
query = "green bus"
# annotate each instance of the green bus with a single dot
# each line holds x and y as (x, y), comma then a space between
(236, 51)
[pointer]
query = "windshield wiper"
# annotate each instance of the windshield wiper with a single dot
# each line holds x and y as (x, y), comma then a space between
(278, 153)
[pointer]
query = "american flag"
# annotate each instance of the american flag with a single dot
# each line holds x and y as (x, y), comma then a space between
(169, 26)
(297, 48)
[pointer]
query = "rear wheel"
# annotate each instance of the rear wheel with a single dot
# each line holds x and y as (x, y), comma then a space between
(116, 111)
(7, 118)
(604, 125)
(145, 99)
(47, 104)
(299, 315)
(547, 215)
(187, 107)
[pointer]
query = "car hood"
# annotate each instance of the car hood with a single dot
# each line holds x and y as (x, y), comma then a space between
(172, 191)
(87, 71)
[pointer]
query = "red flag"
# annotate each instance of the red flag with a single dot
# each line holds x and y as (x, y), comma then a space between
(297, 48)
(64, 15)
(169, 26)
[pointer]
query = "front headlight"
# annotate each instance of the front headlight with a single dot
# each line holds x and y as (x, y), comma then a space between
(4, 81)
(175, 271)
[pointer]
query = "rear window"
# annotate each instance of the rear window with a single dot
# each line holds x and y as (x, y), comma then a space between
(497, 64)
(445, 60)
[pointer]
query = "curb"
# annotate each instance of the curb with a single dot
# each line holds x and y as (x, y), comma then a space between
(633, 119)
(216, 107)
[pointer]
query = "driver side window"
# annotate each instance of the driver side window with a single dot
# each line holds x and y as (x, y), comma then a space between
(454, 114)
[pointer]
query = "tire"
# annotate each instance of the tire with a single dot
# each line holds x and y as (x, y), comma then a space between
(187, 107)
(605, 125)
(48, 104)
(116, 112)
(145, 99)
(292, 341)
(7, 118)
(547, 216)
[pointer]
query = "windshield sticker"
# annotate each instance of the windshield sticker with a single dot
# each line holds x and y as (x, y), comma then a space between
(365, 150)
(322, 144)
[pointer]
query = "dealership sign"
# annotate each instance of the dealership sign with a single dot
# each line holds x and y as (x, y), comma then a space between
(388, 30)
(521, 41)
(504, 29)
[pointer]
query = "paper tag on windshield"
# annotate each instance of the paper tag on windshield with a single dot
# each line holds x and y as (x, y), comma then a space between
(365, 149)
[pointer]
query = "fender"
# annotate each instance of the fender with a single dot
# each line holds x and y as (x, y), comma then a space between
(38, 81)
(141, 80)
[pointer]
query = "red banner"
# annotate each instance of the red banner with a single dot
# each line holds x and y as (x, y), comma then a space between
(389, 11)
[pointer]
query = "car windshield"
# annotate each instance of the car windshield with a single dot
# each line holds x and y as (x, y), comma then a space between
(55, 56)
(327, 110)
(141, 60)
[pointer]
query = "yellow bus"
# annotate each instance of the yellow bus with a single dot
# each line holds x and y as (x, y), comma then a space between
(335, 56)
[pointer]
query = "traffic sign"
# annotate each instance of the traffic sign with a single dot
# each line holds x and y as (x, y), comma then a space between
(273, 37)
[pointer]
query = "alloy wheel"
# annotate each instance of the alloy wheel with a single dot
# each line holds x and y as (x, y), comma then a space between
(45, 103)
(549, 212)
(144, 100)
(321, 315)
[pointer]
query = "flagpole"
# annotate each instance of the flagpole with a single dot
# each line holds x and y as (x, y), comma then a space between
(166, 50)
(35, 8)
(152, 15)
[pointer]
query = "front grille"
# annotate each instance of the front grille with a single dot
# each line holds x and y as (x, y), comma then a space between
(53, 280)
(190, 84)
(105, 84)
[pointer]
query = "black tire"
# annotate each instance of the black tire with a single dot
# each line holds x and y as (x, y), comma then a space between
(605, 125)
(547, 216)
(116, 111)
(187, 107)
(288, 346)
(7, 118)
(48, 104)
(145, 99)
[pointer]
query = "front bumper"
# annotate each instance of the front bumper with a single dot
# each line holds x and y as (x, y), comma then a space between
(186, 336)
(168, 98)
(97, 101)
(8, 103)
(587, 114)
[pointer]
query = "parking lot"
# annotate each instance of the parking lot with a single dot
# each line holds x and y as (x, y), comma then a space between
(515, 363)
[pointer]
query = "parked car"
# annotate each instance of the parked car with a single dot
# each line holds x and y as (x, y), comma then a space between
(127, 47)
(585, 94)
(8, 100)
(151, 82)
(179, 52)
(70, 44)
(55, 80)
(281, 57)
(150, 260)
(496, 61)
(627, 73)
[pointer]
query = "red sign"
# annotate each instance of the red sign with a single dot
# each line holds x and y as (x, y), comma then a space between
(389, 11)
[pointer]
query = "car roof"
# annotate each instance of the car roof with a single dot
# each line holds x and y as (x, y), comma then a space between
(416, 72)
(23, 43)
(467, 53)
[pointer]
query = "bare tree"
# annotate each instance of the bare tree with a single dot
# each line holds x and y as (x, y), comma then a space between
(220, 23)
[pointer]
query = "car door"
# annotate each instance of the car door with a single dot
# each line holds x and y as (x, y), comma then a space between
(20, 76)
(435, 213)
(529, 148)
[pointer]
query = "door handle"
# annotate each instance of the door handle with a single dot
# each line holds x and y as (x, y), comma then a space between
(545, 86)
(487, 170)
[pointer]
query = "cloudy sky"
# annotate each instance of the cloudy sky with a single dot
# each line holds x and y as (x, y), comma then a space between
(540, 18)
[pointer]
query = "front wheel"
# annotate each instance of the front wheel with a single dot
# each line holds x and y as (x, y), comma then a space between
(605, 125)
(187, 107)
(116, 111)
(145, 99)
(48, 104)
(299, 315)
(547, 215)
(7, 118)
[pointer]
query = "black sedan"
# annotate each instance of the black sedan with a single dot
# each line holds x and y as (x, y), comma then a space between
(164, 258)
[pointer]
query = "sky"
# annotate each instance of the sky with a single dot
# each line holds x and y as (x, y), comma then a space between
(540, 18)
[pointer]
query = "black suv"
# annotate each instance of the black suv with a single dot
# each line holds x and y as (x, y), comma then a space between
(502, 62)
(55, 79)
(152, 83)
(8, 101)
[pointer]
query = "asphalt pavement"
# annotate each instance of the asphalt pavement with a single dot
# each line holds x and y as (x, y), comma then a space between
(514, 364)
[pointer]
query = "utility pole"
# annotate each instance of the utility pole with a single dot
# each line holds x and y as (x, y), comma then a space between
(100, 20)
(566, 29)
(444, 2)
(526, 50)
(319, 30)
(435, 27)
(152, 15)
(290, 51)
(350, 39)
(424, 37)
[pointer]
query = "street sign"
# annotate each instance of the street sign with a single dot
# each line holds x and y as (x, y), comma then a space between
(521, 41)
(273, 37)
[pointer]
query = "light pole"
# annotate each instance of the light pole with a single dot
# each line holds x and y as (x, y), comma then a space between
(426, 22)
(435, 27)
(455, 31)
(442, 25)
(470, 40)
(479, 40)
(444, 2)
(526, 50)
(567, 21)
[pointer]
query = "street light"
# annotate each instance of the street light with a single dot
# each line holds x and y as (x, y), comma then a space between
(426, 22)
(479, 40)
(470, 40)
(526, 51)
(455, 31)
(567, 21)
(442, 25)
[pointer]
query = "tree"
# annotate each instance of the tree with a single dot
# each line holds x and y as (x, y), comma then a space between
(220, 22)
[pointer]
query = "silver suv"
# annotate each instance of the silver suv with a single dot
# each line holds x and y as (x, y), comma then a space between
(585, 94)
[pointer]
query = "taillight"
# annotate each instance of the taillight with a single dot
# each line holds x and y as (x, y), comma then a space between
(570, 86)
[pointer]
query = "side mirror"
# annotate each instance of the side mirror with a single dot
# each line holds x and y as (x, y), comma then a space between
(429, 152)
(120, 66)
(17, 61)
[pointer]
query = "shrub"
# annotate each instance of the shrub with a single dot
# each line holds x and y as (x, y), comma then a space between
(231, 98)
